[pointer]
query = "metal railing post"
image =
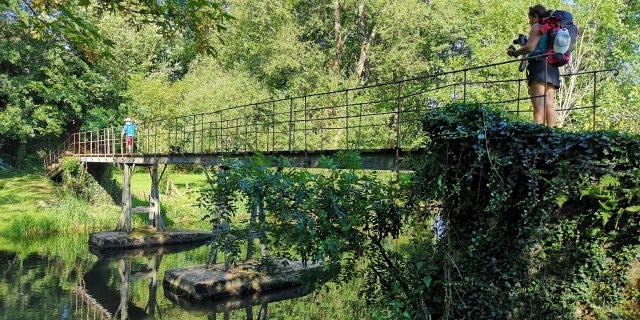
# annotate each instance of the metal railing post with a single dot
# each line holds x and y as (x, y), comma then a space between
(290, 121)
(346, 101)
(305, 124)
(155, 137)
(236, 139)
(148, 136)
(255, 124)
(464, 94)
(193, 136)
(399, 114)
(595, 86)
(202, 134)
(246, 124)
(518, 102)
(359, 127)
(168, 139)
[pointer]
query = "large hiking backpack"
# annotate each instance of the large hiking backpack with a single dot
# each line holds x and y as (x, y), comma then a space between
(559, 21)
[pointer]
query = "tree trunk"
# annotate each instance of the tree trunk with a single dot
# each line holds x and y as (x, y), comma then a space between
(365, 44)
(337, 29)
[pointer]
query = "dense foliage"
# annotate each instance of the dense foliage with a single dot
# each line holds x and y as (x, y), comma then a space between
(50, 87)
(74, 22)
(503, 219)
(333, 217)
(535, 222)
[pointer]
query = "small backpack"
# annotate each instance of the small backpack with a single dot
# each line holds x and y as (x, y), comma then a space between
(559, 20)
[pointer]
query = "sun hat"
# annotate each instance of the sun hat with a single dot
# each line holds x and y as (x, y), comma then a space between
(562, 42)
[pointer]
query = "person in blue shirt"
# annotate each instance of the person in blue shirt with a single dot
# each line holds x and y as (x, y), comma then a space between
(129, 130)
(539, 80)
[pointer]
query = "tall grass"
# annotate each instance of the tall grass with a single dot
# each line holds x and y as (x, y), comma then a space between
(68, 215)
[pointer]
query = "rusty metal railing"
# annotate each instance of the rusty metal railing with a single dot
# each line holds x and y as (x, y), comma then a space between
(381, 116)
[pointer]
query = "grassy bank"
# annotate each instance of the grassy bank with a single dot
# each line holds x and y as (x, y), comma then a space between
(31, 206)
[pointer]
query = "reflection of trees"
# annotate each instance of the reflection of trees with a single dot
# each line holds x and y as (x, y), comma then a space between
(233, 304)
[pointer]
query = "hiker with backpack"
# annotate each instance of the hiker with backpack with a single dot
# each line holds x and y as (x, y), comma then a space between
(551, 40)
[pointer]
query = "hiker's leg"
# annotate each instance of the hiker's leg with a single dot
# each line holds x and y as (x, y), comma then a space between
(536, 92)
(550, 109)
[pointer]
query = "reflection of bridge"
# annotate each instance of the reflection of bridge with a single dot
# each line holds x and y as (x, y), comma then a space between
(381, 121)
(95, 298)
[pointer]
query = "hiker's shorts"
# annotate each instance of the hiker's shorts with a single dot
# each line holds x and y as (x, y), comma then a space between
(535, 72)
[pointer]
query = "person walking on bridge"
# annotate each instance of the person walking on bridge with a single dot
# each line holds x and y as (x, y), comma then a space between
(129, 130)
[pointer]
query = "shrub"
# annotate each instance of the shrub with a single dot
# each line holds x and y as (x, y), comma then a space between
(536, 222)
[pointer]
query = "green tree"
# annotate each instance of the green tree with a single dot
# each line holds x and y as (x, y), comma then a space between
(74, 22)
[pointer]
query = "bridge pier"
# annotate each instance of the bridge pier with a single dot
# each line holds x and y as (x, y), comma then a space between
(155, 214)
(124, 224)
(154, 211)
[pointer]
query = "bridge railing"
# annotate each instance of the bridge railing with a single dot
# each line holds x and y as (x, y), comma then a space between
(381, 116)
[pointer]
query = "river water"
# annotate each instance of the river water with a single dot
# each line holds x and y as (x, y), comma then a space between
(60, 278)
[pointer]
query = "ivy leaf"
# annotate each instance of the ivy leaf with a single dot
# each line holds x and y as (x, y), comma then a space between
(633, 209)
(419, 265)
(427, 280)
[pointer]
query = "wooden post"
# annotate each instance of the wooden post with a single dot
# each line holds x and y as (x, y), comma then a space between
(125, 216)
(155, 217)
(249, 312)
(124, 269)
(252, 221)
(263, 315)
(264, 241)
(153, 264)
(224, 215)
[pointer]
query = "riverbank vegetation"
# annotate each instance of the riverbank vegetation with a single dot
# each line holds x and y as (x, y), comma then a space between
(502, 219)
(32, 206)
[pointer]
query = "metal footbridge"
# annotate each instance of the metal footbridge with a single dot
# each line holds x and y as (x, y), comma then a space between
(381, 122)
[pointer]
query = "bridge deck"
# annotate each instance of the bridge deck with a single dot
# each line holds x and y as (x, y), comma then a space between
(381, 159)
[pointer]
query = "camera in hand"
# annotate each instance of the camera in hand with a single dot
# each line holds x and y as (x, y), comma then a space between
(521, 40)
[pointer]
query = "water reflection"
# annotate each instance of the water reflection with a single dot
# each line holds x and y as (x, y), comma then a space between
(103, 301)
(58, 278)
(225, 305)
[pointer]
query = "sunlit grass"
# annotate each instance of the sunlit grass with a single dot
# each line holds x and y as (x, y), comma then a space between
(30, 206)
